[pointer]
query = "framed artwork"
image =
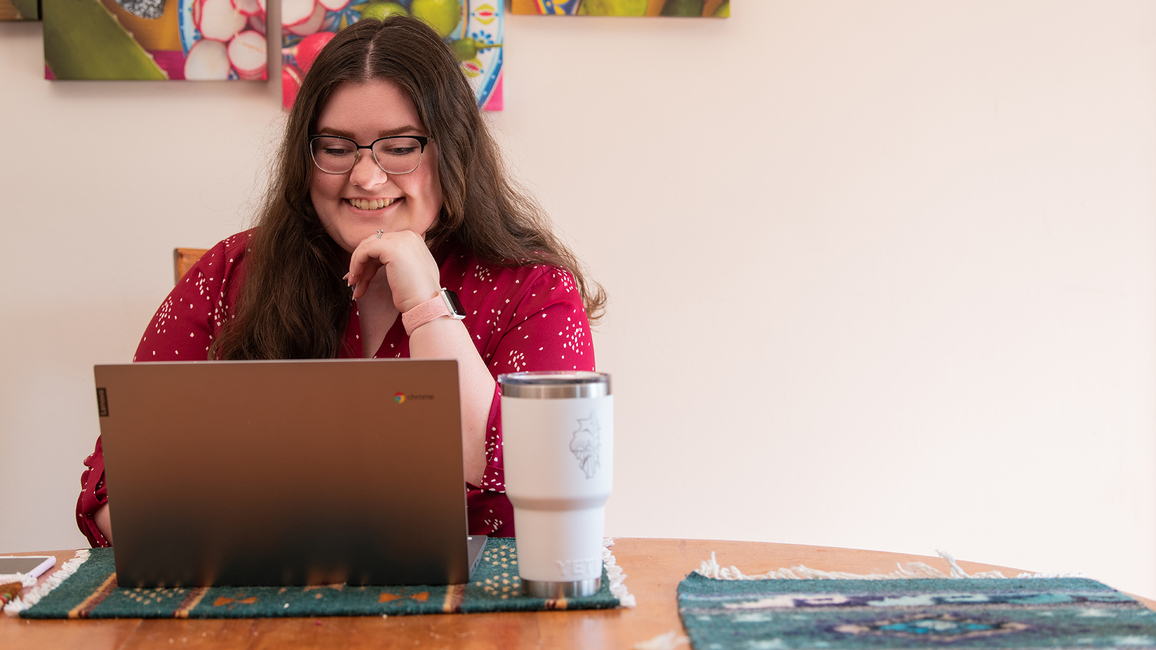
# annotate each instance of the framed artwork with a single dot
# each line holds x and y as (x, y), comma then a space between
(472, 28)
(155, 39)
(683, 8)
(19, 9)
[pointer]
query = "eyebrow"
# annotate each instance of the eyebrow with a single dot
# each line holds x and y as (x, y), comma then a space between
(381, 134)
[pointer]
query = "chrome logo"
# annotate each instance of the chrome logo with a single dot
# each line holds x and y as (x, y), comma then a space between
(399, 398)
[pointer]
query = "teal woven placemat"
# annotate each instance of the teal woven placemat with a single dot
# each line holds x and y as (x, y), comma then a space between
(927, 613)
(91, 592)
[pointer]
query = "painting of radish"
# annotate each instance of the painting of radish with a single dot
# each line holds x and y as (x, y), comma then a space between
(154, 39)
(472, 29)
(224, 39)
(227, 40)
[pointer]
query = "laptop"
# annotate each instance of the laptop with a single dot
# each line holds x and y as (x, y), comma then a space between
(285, 472)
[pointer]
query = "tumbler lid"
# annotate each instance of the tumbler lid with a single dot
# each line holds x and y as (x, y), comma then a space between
(555, 384)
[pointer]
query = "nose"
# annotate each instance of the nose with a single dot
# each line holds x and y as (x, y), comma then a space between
(366, 172)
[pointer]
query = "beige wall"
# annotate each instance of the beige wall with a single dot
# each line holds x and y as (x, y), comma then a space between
(883, 273)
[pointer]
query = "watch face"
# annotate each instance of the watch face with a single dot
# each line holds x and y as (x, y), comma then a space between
(455, 305)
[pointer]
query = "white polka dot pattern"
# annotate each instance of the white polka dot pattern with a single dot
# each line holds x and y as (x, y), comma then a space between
(520, 318)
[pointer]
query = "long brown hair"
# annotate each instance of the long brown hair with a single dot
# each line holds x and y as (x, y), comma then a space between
(293, 303)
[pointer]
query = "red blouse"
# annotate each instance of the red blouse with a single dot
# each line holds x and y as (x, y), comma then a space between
(520, 318)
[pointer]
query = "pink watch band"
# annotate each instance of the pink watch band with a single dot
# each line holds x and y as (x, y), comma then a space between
(431, 309)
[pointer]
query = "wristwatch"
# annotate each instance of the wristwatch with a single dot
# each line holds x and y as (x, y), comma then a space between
(446, 303)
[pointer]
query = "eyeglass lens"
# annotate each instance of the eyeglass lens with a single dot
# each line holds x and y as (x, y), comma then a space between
(395, 155)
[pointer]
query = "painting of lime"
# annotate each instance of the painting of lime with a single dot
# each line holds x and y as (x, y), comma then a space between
(674, 8)
(19, 10)
(154, 39)
(471, 28)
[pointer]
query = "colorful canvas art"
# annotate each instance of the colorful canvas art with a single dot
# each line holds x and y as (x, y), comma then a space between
(472, 28)
(19, 10)
(154, 39)
(684, 8)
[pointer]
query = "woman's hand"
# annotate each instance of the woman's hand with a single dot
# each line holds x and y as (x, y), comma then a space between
(410, 269)
(414, 277)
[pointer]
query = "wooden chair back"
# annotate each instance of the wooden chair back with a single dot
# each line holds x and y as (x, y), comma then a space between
(183, 260)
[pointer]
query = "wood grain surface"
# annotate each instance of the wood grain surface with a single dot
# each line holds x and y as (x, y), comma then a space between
(653, 567)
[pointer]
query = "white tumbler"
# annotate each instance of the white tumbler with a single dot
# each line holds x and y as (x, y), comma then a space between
(558, 446)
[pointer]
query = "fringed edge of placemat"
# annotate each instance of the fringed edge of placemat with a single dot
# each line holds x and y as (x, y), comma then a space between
(616, 575)
(21, 603)
(711, 569)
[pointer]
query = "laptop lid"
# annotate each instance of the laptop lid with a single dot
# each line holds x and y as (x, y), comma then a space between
(285, 472)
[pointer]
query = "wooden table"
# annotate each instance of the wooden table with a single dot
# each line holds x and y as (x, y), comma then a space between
(653, 567)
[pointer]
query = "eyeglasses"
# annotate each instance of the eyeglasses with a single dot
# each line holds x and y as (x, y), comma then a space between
(397, 154)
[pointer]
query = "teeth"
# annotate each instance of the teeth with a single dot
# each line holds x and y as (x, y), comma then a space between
(370, 204)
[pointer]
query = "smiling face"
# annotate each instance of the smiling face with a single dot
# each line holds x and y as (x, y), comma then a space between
(356, 204)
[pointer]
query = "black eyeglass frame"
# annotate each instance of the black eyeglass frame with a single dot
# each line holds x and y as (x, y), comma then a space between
(421, 139)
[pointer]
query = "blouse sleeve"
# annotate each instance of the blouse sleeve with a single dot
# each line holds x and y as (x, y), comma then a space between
(188, 319)
(92, 497)
(181, 330)
(546, 329)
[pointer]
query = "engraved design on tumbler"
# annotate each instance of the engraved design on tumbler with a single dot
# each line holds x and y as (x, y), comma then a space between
(586, 447)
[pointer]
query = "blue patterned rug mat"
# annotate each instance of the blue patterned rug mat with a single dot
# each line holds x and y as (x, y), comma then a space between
(923, 613)
(91, 592)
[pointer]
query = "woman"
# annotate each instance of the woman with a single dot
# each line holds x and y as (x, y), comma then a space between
(388, 188)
